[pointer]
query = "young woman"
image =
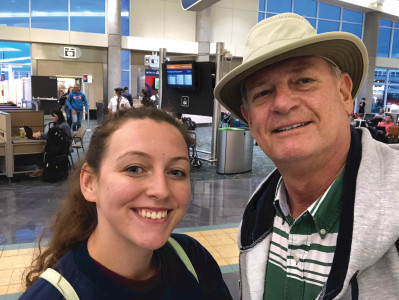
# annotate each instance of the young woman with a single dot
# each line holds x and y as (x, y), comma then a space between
(110, 237)
(58, 118)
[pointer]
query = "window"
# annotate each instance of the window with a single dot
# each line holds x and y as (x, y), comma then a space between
(327, 26)
(15, 70)
(351, 16)
(125, 13)
(279, 6)
(384, 42)
(14, 13)
(125, 68)
(305, 8)
(395, 43)
(87, 16)
(352, 28)
(323, 17)
(329, 12)
(49, 14)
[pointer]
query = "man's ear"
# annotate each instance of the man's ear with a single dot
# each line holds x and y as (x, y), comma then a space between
(88, 183)
(346, 92)
(246, 114)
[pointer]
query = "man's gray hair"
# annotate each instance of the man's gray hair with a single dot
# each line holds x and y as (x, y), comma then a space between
(335, 72)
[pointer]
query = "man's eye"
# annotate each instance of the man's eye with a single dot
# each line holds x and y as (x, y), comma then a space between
(134, 169)
(264, 93)
(177, 173)
(305, 80)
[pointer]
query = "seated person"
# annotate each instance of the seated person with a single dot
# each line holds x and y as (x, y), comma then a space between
(111, 236)
(58, 118)
(381, 114)
(387, 123)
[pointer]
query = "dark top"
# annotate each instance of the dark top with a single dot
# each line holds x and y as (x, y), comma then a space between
(129, 97)
(177, 282)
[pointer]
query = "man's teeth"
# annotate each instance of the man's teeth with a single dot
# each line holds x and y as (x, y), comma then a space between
(153, 215)
(290, 127)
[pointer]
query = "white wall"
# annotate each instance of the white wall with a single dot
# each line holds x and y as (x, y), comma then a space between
(230, 20)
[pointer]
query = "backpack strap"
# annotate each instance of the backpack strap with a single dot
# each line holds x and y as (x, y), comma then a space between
(59, 282)
(183, 256)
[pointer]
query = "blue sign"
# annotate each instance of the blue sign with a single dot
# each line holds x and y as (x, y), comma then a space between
(150, 72)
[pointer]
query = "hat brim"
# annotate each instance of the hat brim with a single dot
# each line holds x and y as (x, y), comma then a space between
(346, 50)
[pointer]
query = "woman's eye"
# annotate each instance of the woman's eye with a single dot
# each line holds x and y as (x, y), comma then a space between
(178, 173)
(134, 169)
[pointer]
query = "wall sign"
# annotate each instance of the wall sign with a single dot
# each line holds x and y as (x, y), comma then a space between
(69, 52)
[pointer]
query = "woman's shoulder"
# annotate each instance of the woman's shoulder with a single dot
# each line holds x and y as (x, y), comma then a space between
(205, 266)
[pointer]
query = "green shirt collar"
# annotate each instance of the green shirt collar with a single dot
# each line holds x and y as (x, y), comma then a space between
(325, 211)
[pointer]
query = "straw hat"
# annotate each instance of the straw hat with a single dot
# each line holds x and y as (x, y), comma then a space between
(290, 35)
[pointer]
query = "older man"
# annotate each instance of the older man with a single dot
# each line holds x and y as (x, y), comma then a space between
(321, 225)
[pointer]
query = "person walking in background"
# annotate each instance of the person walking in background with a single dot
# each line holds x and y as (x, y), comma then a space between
(62, 105)
(118, 102)
(362, 105)
(320, 226)
(112, 236)
(128, 95)
(76, 102)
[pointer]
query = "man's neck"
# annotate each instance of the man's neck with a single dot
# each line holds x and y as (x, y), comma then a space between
(306, 182)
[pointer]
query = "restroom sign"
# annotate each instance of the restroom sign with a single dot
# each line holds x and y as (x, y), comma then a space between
(69, 52)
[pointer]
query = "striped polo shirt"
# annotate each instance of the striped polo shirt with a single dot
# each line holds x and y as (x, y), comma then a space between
(302, 250)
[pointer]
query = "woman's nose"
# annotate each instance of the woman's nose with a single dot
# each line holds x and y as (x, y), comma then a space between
(158, 186)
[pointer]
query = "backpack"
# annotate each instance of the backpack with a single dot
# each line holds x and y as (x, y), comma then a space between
(56, 155)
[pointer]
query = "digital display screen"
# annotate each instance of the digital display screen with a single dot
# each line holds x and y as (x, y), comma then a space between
(180, 75)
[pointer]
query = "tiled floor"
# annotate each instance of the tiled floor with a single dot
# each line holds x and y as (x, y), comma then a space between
(216, 208)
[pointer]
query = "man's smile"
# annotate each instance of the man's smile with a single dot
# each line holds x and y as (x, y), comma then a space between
(290, 127)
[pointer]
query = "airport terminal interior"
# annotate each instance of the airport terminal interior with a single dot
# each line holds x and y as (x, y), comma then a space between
(47, 46)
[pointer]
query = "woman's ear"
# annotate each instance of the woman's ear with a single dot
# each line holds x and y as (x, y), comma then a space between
(88, 183)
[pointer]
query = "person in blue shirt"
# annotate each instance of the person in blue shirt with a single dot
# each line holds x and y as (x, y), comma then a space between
(128, 96)
(75, 102)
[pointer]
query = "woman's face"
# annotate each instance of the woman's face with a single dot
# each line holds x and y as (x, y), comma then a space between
(54, 118)
(143, 189)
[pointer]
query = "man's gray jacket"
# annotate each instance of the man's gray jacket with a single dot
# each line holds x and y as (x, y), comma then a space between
(366, 260)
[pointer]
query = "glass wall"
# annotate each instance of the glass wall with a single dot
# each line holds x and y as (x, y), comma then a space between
(125, 15)
(74, 15)
(324, 17)
(385, 89)
(15, 70)
(125, 68)
(388, 39)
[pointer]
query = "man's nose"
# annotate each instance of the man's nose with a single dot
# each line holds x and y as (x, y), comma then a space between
(284, 99)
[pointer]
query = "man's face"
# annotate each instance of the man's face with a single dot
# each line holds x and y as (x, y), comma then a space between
(389, 119)
(298, 110)
(76, 88)
(381, 111)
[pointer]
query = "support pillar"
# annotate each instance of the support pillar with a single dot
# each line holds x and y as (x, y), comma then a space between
(114, 47)
(203, 33)
(370, 39)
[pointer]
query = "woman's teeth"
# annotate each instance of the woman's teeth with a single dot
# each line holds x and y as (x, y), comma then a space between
(152, 214)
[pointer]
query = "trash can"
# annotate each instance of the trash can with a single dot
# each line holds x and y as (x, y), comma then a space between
(99, 112)
(234, 150)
